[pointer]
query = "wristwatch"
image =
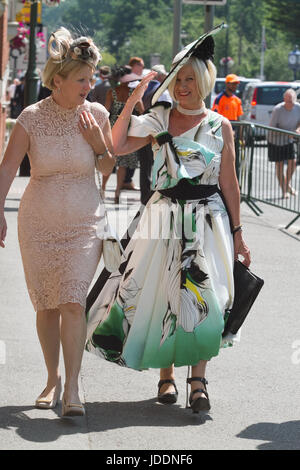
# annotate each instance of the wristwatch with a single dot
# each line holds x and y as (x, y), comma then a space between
(102, 155)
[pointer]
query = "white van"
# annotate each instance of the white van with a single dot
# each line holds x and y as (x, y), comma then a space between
(220, 86)
(259, 100)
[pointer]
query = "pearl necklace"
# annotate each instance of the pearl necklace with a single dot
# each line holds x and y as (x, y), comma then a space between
(190, 112)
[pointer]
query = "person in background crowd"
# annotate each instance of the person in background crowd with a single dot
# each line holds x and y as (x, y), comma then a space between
(137, 66)
(18, 99)
(154, 84)
(226, 102)
(116, 97)
(11, 89)
(19, 104)
(285, 115)
(145, 154)
(100, 90)
(44, 92)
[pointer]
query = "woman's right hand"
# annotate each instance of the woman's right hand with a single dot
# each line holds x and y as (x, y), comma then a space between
(3, 230)
(140, 89)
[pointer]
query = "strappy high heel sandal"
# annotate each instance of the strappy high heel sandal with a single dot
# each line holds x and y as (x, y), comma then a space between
(72, 409)
(43, 403)
(199, 403)
(167, 398)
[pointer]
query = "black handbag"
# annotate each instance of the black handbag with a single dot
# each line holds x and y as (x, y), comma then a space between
(246, 288)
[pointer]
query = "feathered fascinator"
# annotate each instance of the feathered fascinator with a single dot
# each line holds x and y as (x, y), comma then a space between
(63, 48)
(202, 48)
(205, 50)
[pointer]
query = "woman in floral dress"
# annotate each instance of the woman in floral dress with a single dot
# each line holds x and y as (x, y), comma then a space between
(165, 307)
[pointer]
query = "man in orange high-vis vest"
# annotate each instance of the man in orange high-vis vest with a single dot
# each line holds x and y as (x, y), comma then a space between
(227, 103)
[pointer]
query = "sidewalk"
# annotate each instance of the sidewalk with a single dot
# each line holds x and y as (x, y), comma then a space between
(254, 387)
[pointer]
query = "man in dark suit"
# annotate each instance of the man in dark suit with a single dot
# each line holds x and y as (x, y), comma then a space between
(19, 105)
(99, 92)
(18, 99)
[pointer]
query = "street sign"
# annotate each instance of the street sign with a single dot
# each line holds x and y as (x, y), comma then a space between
(205, 2)
(23, 16)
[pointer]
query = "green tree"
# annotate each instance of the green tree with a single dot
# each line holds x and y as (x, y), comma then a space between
(123, 28)
(53, 17)
(148, 43)
(88, 17)
(114, 22)
(247, 19)
(284, 17)
(276, 67)
(130, 19)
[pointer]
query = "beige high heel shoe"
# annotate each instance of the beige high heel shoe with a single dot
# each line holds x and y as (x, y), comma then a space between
(72, 409)
(49, 404)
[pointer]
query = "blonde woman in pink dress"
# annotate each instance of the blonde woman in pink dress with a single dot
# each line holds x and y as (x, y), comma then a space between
(61, 220)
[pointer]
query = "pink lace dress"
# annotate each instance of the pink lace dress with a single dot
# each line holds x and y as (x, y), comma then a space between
(60, 218)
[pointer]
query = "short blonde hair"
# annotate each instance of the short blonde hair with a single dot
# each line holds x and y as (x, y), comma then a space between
(68, 55)
(205, 73)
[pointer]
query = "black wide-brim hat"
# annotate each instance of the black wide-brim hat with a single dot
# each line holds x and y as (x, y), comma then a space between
(203, 48)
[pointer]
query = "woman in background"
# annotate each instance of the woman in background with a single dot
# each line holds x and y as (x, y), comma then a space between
(116, 98)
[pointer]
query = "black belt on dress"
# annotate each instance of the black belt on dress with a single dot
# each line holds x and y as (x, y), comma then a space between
(185, 190)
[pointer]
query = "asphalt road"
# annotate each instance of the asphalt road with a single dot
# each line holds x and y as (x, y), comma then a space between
(253, 387)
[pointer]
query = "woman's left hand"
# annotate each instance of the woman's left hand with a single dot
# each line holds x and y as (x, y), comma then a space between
(240, 248)
(91, 131)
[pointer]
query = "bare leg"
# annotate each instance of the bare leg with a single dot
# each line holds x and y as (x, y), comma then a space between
(48, 330)
(104, 181)
(281, 178)
(198, 371)
(73, 337)
(290, 170)
(121, 173)
(167, 373)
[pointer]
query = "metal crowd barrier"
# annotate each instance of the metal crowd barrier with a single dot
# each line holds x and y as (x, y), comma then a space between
(260, 179)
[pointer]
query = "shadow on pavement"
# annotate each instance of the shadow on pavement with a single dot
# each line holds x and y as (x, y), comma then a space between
(41, 429)
(113, 415)
(99, 417)
(281, 436)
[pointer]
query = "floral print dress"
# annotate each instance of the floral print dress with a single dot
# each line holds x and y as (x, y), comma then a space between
(166, 304)
(130, 160)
